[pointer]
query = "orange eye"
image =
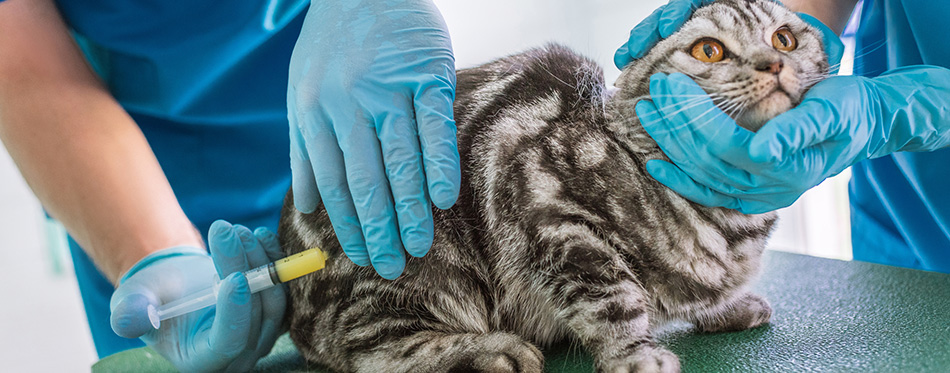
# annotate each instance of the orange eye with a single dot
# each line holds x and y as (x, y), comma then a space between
(784, 40)
(708, 50)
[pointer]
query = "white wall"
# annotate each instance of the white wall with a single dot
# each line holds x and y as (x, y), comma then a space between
(42, 325)
(488, 29)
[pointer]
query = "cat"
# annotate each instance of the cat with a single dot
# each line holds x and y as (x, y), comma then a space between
(559, 232)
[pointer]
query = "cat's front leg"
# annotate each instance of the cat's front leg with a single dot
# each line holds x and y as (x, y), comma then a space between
(602, 303)
(743, 312)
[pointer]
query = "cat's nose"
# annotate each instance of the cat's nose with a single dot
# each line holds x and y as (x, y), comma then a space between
(772, 67)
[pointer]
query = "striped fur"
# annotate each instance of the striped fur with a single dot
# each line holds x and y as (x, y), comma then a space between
(558, 232)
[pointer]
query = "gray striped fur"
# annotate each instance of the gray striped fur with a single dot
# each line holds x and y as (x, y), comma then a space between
(558, 233)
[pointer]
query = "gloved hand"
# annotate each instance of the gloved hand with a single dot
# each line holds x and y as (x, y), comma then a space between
(371, 125)
(686, 139)
(841, 120)
(234, 334)
(667, 19)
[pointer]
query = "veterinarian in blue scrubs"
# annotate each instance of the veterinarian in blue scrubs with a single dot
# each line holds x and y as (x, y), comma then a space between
(170, 115)
(891, 122)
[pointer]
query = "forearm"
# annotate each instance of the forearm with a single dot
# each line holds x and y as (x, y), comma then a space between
(833, 13)
(912, 110)
(79, 151)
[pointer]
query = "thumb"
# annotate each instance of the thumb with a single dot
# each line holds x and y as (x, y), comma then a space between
(812, 122)
(131, 316)
(438, 142)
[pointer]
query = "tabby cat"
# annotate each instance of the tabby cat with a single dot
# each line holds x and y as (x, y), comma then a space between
(559, 232)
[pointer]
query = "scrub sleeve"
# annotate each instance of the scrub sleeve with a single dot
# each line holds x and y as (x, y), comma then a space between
(207, 83)
(900, 204)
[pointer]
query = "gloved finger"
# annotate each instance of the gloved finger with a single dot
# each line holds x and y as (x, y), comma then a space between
(695, 172)
(229, 331)
(800, 171)
(658, 128)
(643, 37)
(272, 300)
(755, 207)
(226, 247)
(399, 142)
(273, 307)
(713, 131)
(270, 243)
(254, 256)
(372, 198)
(253, 250)
(437, 139)
(695, 136)
(676, 13)
(303, 183)
(330, 173)
(674, 178)
(699, 173)
(834, 47)
(129, 317)
(813, 121)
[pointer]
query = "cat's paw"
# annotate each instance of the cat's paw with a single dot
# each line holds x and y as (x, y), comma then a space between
(503, 353)
(746, 312)
(647, 359)
(759, 311)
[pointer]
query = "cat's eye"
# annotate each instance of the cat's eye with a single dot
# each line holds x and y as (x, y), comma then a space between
(709, 50)
(784, 40)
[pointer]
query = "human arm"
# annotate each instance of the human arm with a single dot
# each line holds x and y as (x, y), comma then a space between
(841, 121)
(80, 152)
(371, 125)
(92, 169)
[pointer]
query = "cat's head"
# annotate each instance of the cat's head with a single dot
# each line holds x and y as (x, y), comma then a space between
(755, 58)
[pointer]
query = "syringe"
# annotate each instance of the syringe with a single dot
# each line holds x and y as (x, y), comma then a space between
(260, 278)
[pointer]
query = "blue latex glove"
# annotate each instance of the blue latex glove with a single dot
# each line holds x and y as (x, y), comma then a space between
(234, 334)
(686, 140)
(667, 19)
(841, 121)
(371, 125)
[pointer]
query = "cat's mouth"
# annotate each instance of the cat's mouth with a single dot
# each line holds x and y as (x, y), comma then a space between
(778, 88)
(778, 100)
(777, 91)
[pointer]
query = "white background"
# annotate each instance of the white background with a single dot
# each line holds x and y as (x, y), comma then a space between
(43, 327)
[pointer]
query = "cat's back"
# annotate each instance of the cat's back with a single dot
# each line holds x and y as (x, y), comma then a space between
(528, 105)
(550, 81)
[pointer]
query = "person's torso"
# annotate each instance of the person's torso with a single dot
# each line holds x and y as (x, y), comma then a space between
(201, 60)
(900, 207)
(206, 80)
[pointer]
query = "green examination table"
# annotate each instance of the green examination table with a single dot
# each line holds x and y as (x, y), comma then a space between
(829, 316)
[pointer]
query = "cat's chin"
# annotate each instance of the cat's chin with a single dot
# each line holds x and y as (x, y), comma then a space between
(769, 107)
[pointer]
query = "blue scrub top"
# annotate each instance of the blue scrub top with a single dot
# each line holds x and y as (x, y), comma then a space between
(206, 80)
(900, 204)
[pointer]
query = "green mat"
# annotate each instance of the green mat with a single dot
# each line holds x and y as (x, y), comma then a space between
(829, 316)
